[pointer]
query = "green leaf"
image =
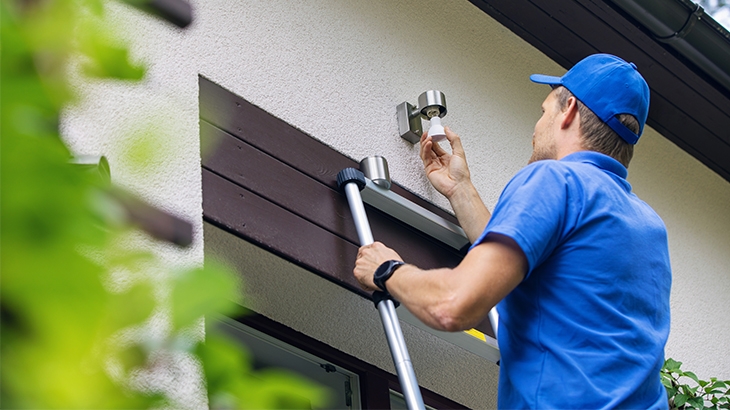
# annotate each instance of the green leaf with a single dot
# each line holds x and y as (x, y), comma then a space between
(113, 62)
(105, 58)
(223, 362)
(692, 376)
(131, 357)
(232, 383)
(680, 399)
(285, 390)
(56, 248)
(672, 365)
(200, 292)
(696, 402)
(131, 307)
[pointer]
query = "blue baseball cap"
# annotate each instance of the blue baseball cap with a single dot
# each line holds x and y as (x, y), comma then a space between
(609, 86)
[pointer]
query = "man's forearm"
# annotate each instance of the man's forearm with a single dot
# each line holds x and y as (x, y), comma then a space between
(470, 210)
(459, 298)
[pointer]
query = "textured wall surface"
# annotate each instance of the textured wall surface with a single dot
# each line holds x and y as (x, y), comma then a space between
(336, 69)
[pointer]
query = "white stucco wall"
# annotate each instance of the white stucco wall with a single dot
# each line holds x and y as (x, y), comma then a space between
(336, 69)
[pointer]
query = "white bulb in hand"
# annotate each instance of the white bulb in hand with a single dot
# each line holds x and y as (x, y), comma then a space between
(436, 131)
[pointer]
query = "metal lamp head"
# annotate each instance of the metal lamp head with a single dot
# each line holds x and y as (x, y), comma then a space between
(432, 105)
(375, 168)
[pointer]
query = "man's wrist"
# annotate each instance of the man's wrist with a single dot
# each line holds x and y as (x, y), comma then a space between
(471, 212)
(384, 272)
(463, 191)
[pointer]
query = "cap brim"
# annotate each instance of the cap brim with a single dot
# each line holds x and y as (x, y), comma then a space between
(545, 79)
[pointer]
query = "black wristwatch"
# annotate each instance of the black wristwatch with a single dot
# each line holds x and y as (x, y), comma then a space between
(384, 272)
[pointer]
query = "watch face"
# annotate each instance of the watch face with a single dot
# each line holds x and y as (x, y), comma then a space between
(385, 271)
(382, 269)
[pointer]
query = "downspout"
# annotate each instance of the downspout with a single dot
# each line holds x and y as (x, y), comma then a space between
(685, 26)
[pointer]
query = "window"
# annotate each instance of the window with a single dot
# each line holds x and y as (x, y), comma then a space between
(269, 352)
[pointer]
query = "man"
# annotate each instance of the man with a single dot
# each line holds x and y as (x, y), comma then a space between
(579, 263)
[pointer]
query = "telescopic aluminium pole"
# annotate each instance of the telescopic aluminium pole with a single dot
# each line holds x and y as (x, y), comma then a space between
(352, 181)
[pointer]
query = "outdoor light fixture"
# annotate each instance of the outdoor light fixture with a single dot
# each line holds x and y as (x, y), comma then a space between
(431, 106)
(375, 168)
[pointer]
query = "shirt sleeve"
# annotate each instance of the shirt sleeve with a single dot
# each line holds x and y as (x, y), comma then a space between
(532, 210)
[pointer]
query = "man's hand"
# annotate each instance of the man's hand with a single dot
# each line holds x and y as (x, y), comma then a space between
(445, 171)
(369, 257)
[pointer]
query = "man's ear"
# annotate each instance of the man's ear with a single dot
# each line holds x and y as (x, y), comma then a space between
(570, 115)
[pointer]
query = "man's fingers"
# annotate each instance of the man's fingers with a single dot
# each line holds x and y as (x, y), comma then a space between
(423, 137)
(455, 142)
(428, 147)
(436, 148)
(425, 152)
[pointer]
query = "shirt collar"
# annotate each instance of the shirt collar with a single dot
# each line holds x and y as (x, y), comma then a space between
(600, 160)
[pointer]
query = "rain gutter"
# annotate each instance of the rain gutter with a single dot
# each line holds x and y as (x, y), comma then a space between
(685, 27)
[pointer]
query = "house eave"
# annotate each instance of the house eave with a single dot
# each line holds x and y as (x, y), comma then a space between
(690, 105)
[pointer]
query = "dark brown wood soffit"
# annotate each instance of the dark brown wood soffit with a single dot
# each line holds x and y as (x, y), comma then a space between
(687, 107)
(275, 186)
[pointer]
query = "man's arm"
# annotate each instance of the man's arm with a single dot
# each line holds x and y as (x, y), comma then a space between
(450, 299)
(449, 174)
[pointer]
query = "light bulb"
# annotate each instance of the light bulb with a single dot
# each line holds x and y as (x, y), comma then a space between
(436, 131)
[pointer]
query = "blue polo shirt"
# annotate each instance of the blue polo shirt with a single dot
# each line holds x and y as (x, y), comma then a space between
(587, 326)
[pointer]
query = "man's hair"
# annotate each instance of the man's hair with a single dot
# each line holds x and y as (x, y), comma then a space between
(597, 136)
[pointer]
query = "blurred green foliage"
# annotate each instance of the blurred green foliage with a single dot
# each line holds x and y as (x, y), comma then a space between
(61, 320)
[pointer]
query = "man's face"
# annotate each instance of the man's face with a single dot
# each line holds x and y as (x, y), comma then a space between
(543, 139)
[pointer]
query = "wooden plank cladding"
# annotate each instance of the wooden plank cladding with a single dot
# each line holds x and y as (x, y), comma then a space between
(251, 217)
(289, 145)
(279, 183)
(311, 200)
(274, 186)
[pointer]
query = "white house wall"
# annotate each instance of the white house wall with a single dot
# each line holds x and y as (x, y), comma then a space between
(336, 69)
